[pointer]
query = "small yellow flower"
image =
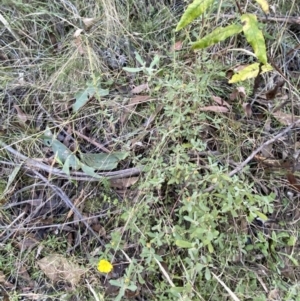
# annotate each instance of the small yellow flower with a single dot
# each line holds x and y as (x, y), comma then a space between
(104, 266)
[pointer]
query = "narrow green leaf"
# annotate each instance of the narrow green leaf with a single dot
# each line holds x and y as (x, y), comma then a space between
(83, 97)
(183, 244)
(250, 71)
(193, 11)
(219, 34)
(90, 171)
(264, 5)
(261, 216)
(139, 58)
(11, 178)
(132, 70)
(63, 154)
(254, 36)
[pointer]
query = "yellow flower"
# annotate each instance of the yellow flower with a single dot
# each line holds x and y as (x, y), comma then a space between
(104, 266)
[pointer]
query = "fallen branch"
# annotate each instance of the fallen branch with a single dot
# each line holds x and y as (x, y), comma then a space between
(75, 175)
(255, 152)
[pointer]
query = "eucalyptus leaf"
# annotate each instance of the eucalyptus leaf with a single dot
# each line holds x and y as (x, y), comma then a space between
(63, 154)
(132, 70)
(103, 161)
(83, 97)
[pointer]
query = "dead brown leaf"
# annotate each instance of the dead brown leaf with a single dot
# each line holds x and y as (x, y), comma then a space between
(78, 41)
(177, 46)
(238, 93)
(247, 109)
(272, 93)
(221, 101)
(293, 181)
(89, 22)
(21, 115)
(123, 183)
(58, 268)
(132, 104)
(274, 295)
(138, 99)
(217, 109)
(284, 118)
(140, 88)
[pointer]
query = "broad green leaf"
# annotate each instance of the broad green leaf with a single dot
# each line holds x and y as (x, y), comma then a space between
(132, 70)
(193, 11)
(183, 244)
(83, 97)
(254, 36)
(250, 71)
(219, 34)
(103, 161)
(264, 5)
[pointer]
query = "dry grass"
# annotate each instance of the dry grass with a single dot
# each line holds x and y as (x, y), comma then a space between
(156, 224)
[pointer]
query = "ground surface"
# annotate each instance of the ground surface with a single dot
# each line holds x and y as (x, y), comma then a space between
(187, 184)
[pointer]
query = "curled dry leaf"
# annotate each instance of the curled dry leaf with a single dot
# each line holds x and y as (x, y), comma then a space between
(77, 33)
(58, 268)
(124, 182)
(177, 46)
(88, 22)
(274, 295)
(214, 109)
(238, 93)
(247, 109)
(221, 102)
(140, 88)
(284, 118)
(21, 115)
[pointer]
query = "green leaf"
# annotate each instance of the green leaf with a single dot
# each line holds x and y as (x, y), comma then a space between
(254, 36)
(83, 97)
(63, 154)
(154, 62)
(193, 11)
(210, 248)
(132, 70)
(103, 161)
(207, 274)
(11, 178)
(132, 287)
(264, 5)
(262, 216)
(139, 58)
(219, 34)
(292, 241)
(183, 244)
(250, 71)
(90, 171)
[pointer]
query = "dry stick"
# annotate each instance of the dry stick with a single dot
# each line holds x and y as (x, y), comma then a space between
(79, 176)
(244, 163)
(68, 202)
(290, 20)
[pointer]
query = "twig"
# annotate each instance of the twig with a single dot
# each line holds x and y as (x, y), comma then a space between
(68, 202)
(78, 176)
(290, 20)
(230, 292)
(255, 152)
(92, 141)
